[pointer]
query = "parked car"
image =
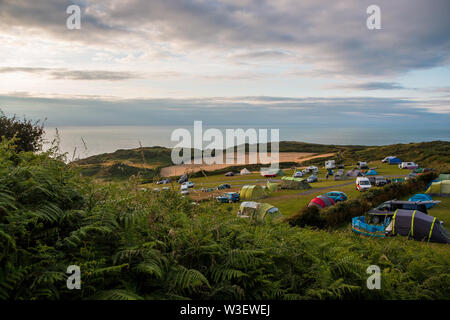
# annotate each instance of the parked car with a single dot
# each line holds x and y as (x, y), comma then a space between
(411, 175)
(362, 165)
(298, 174)
(229, 197)
(312, 178)
(337, 196)
(388, 208)
(363, 184)
(166, 189)
(229, 174)
(380, 181)
(408, 165)
(189, 184)
(223, 186)
(183, 179)
(163, 181)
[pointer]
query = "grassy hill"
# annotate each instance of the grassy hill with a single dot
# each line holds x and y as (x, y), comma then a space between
(148, 161)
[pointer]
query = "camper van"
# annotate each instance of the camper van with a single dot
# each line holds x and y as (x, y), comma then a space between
(408, 165)
(363, 184)
(330, 164)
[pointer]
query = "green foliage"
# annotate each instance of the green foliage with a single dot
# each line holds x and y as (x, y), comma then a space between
(27, 135)
(132, 245)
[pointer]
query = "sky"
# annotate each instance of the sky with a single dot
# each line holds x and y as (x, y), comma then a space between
(136, 63)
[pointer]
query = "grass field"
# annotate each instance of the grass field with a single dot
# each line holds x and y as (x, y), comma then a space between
(288, 201)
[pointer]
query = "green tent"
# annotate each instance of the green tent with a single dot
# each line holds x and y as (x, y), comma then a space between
(439, 188)
(251, 192)
(281, 173)
(271, 186)
(294, 183)
(257, 211)
(444, 176)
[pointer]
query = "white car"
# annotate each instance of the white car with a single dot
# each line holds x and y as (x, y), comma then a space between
(189, 184)
(363, 184)
(298, 174)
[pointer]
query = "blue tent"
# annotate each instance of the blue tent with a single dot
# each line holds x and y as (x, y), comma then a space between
(422, 197)
(394, 160)
(371, 172)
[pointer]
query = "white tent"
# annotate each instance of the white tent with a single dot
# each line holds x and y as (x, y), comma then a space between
(245, 171)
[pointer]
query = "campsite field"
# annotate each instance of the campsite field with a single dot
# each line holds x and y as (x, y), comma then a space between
(288, 201)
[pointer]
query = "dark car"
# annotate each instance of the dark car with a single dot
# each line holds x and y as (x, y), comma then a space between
(229, 174)
(229, 197)
(183, 178)
(388, 208)
(380, 181)
(224, 186)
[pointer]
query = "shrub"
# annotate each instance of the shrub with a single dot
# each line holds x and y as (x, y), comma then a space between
(28, 134)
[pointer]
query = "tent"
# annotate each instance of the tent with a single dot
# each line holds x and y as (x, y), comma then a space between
(270, 173)
(354, 173)
(294, 183)
(257, 211)
(371, 172)
(322, 201)
(422, 197)
(340, 175)
(439, 188)
(418, 225)
(394, 160)
(281, 173)
(271, 186)
(251, 192)
(245, 172)
(444, 176)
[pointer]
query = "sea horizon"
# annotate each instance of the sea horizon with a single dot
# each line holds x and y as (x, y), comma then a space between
(92, 140)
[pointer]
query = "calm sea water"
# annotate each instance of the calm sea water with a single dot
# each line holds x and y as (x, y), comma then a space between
(110, 138)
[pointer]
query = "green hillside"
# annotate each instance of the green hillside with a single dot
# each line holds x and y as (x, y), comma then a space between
(147, 161)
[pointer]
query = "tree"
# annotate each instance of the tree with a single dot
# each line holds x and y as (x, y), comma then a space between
(28, 134)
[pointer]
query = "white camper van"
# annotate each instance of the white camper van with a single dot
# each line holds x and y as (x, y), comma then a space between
(363, 184)
(330, 164)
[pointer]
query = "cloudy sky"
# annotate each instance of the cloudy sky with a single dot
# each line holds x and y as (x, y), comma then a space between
(228, 62)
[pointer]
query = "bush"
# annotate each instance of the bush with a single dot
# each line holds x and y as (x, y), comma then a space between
(29, 135)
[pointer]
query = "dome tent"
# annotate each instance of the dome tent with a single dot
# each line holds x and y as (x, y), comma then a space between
(439, 188)
(294, 183)
(271, 186)
(251, 192)
(418, 225)
(245, 172)
(371, 172)
(394, 160)
(422, 197)
(257, 211)
(321, 202)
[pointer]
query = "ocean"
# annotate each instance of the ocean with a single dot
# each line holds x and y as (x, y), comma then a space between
(103, 139)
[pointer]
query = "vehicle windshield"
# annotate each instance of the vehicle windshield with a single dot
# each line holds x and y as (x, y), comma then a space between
(364, 183)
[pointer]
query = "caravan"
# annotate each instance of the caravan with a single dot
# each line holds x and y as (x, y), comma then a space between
(330, 164)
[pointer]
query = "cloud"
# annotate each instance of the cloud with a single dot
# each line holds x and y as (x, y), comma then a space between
(65, 74)
(331, 36)
(231, 111)
(371, 86)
